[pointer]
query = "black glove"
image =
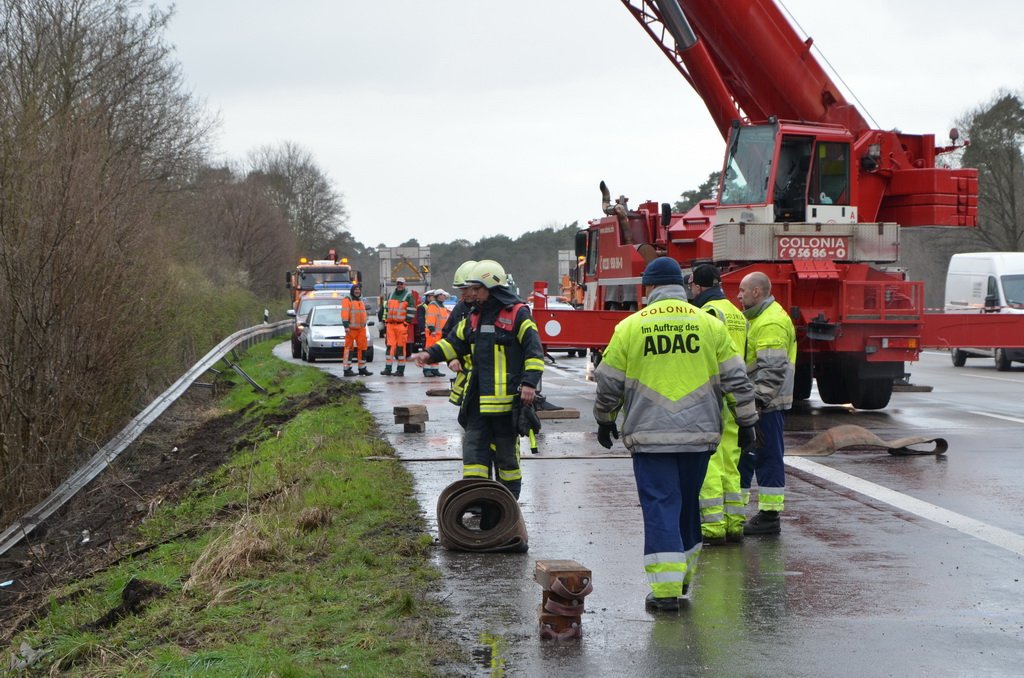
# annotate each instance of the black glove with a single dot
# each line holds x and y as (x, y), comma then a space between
(525, 419)
(748, 437)
(605, 433)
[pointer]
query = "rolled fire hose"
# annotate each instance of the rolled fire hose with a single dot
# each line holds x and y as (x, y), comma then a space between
(848, 435)
(507, 531)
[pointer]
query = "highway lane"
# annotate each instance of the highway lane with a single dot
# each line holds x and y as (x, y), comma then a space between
(978, 410)
(854, 586)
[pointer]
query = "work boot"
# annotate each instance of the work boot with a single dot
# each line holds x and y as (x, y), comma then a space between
(363, 372)
(765, 522)
(734, 537)
(661, 604)
(713, 541)
(387, 371)
(401, 371)
(348, 372)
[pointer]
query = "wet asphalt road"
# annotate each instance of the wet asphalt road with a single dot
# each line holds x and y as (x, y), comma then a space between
(886, 566)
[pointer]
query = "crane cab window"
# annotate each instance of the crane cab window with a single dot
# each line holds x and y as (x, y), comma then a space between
(745, 179)
(791, 177)
(830, 175)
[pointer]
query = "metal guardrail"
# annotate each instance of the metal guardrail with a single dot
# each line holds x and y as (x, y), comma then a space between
(109, 452)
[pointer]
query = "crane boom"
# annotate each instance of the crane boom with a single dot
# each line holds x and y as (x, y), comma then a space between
(809, 194)
(751, 68)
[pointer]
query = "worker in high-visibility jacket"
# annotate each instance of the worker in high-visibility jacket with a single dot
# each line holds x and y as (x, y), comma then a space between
(421, 321)
(771, 364)
(721, 498)
(435, 317)
(507, 363)
(353, 317)
(666, 368)
(399, 311)
(467, 299)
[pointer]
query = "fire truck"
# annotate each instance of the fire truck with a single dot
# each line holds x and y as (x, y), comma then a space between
(809, 194)
(331, 273)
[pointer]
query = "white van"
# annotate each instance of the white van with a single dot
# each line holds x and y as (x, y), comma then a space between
(986, 282)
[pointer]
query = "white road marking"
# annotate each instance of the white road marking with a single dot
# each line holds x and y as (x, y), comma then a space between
(997, 416)
(975, 528)
(982, 376)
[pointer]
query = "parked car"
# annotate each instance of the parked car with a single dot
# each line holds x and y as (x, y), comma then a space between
(323, 335)
(309, 301)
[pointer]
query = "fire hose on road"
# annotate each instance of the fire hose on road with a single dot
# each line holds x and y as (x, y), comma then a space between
(848, 435)
(501, 522)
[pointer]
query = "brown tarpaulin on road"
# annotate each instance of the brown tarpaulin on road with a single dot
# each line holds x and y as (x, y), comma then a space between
(839, 437)
(495, 502)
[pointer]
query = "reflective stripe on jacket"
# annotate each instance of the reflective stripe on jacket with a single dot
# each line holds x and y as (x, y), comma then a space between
(771, 355)
(400, 308)
(353, 312)
(458, 391)
(506, 353)
(666, 367)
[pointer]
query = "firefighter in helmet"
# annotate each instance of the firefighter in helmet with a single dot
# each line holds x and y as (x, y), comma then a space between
(501, 337)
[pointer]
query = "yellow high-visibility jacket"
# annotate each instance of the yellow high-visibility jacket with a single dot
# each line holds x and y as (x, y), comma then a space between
(666, 367)
(506, 352)
(771, 355)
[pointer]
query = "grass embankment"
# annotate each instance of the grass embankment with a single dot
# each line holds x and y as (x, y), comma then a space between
(310, 557)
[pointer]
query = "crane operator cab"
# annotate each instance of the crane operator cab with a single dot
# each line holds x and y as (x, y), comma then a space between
(790, 173)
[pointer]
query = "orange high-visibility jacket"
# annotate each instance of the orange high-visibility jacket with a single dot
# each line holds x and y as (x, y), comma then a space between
(353, 312)
(400, 308)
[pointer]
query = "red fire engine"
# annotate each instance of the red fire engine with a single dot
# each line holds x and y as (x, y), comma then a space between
(809, 194)
(331, 273)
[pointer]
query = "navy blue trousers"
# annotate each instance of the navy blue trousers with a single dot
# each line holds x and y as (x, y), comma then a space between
(669, 489)
(766, 462)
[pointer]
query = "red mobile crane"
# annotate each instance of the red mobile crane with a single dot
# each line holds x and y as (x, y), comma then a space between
(809, 194)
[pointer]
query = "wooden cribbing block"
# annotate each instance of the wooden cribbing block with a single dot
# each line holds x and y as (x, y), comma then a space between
(415, 428)
(555, 626)
(556, 604)
(571, 574)
(567, 413)
(411, 418)
(566, 583)
(407, 410)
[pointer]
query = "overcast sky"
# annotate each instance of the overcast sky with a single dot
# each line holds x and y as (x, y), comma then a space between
(439, 119)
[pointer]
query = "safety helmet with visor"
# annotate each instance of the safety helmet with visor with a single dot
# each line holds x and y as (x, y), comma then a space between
(488, 273)
(459, 279)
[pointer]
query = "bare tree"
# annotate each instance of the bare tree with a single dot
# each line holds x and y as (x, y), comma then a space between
(304, 193)
(253, 232)
(94, 130)
(996, 134)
